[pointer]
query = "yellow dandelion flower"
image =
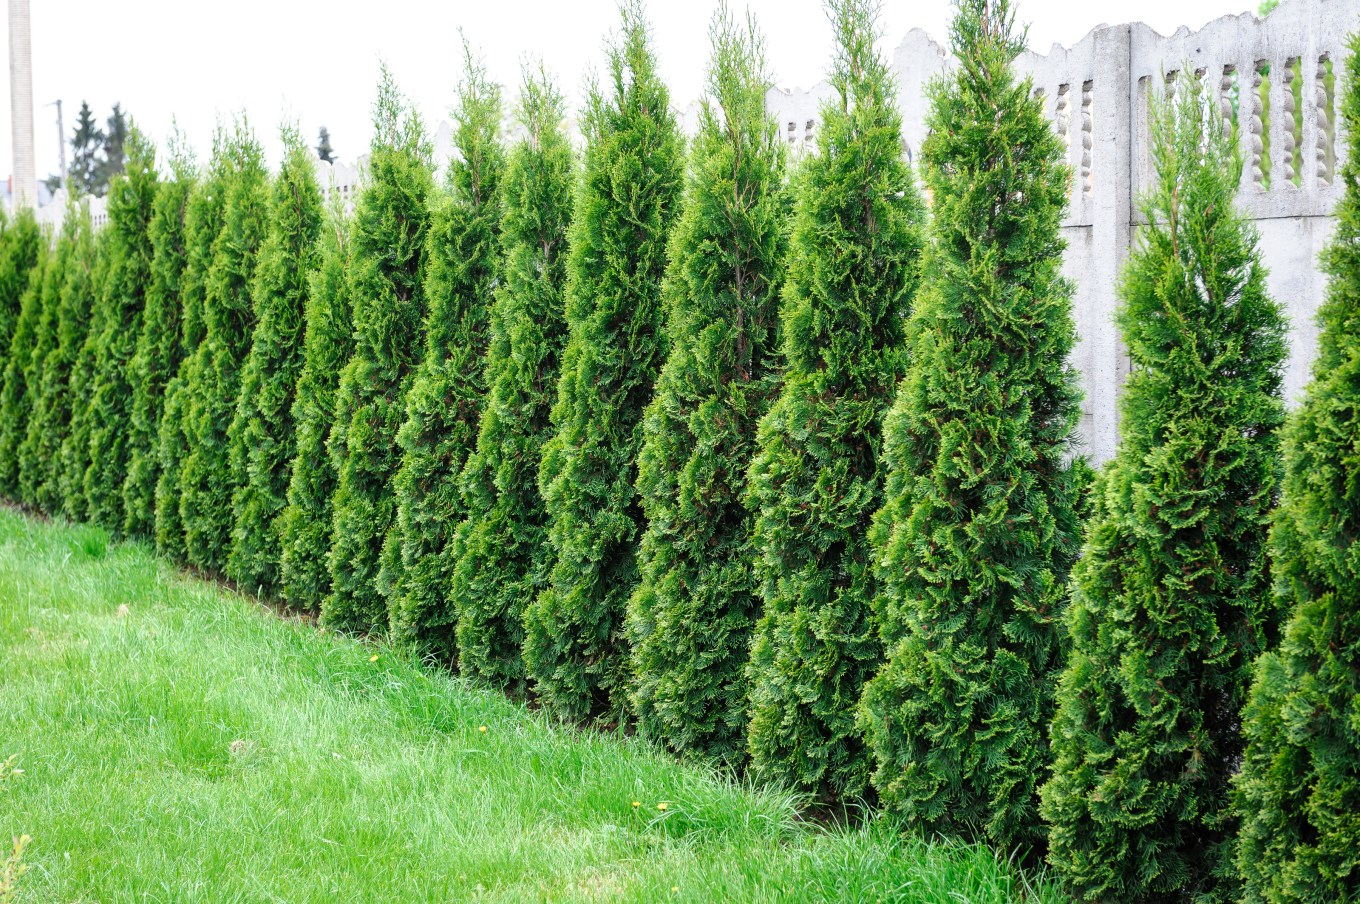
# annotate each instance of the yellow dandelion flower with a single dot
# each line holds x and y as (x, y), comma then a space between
(663, 806)
(482, 729)
(636, 804)
(373, 658)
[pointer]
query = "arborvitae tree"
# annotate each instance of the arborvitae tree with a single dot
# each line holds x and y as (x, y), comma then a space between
(1170, 600)
(386, 286)
(206, 481)
(132, 196)
(203, 218)
(817, 477)
(690, 620)
(19, 247)
(262, 446)
(503, 549)
(575, 648)
(443, 407)
(305, 525)
(159, 347)
(1299, 787)
(40, 460)
(82, 327)
(16, 402)
(33, 467)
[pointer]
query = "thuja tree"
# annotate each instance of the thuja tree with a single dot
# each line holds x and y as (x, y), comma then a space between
(159, 347)
(131, 197)
(261, 439)
(1299, 787)
(206, 482)
(16, 402)
(690, 619)
(305, 524)
(1170, 601)
(21, 259)
(20, 241)
(817, 475)
(574, 646)
(443, 407)
(978, 528)
(41, 461)
(33, 467)
(386, 285)
(203, 217)
(83, 324)
(502, 546)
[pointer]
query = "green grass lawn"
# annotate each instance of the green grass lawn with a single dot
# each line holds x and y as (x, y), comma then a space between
(182, 744)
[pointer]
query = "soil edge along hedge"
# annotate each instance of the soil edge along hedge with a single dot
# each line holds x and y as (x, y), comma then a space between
(817, 477)
(574, 644)
(689, 623)
(503, 550)
(391, 221)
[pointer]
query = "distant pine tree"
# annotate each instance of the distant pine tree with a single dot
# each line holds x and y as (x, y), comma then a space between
(305, 525)
(443, 407)
(690, 620)
(817, 477)
(206, 481)
(16, 401)
(159, 347)
(1299, 785)
(33, 467)
(503, 549)
(132, 196)
(323, 146)
(87, 144)
(203, 219)
(262, 445)
(391, 221)
(83, 326)
(575, 647)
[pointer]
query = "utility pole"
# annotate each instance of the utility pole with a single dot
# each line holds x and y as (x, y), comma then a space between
(21, 104)
(61, 139)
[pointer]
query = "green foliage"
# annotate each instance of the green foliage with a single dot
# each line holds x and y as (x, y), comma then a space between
(41, 459)
(33, 454)
(82, 325)
(503, 550)
(206, 481)
(21, 246)
(16, 402)
(1169, 599)
(979, 525)
(817, 477)
(159, 347)
(391, 221)
(1299, 787)
(203, 219)
(443, 407)
(132, 195)
(262, 444)
(691, 617)
(305, 525)
(574, 646)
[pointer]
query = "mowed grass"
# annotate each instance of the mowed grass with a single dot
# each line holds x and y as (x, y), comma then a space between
(196, 747)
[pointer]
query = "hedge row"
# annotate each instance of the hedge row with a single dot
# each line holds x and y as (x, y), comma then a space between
(763, 457)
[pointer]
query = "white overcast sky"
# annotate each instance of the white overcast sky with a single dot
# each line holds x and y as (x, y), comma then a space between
(196, 60)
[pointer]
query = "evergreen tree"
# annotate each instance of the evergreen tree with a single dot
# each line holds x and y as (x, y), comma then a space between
(1169, 599)
(816, 478)
(33, 468)
(261, 437)
(85, 318)
(132, 196)
(206, 481)
(1299, 787)
(690, 619)
(386, 287)
(575, 648)
(16, 402)
(20, 244)
(203, 218)
(159, 347)
(443, 407)
(979, 527)
(323, 146)
(503, 550)
(114, 151)
(40, 460)
(87, 142)
(305, 525)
